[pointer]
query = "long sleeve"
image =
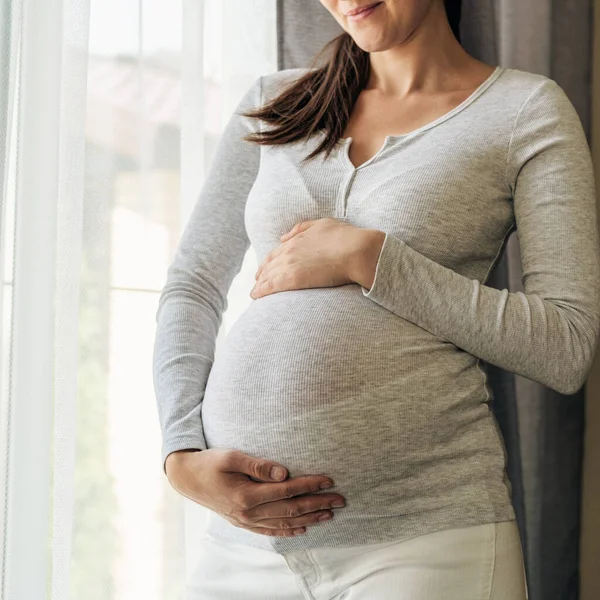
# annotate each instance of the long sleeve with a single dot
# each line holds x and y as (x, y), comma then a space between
(548, 333)
(209, 255)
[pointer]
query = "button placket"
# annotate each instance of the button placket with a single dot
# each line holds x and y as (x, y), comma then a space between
(345, 190)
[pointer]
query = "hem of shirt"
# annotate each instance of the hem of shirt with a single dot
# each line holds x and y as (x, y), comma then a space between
(356, 532)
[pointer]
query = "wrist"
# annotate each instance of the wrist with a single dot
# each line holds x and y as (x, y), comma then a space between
(177, 457)
(364, 260)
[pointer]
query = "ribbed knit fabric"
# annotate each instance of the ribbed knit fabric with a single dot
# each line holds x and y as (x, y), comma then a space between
(384, 390)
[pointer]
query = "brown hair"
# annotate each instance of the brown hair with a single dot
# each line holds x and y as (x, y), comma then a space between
(323, 98)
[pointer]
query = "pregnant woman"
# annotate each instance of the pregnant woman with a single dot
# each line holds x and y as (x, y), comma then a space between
(378, 192)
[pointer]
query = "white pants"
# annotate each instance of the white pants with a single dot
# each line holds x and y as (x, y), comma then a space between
(481, 562)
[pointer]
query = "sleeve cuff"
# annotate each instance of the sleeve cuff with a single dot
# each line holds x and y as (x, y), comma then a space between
(183, 443)
(386, 268)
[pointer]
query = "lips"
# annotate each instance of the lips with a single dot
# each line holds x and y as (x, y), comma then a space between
(356, 11)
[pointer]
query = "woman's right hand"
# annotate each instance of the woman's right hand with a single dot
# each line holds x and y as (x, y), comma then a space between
(241, 489)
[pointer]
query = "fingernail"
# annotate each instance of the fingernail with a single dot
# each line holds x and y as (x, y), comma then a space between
(326, 484)
(277, 473)
(338, 503)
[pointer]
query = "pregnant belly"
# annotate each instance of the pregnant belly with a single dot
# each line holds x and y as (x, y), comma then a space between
(326, 381)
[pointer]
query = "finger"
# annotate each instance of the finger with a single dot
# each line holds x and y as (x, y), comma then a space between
(292, 232)
(270, 531)
(268, 269)
(277, 532)
(259, 493)
(263, 271)
(263, 287)
(283, 522)
(288, 522)
(280, 523)
(278, 282)
(298, 506)
(260, 270)
(268, 258)
(298, 228)
(263, 284)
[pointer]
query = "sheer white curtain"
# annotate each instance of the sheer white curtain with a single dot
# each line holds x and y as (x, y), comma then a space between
(109, 113)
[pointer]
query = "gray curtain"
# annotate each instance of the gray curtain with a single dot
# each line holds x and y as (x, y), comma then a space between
(543, 430)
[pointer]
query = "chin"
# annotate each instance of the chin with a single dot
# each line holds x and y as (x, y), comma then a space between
(370, 44)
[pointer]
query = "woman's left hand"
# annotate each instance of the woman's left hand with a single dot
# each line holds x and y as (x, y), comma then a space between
(318, 253)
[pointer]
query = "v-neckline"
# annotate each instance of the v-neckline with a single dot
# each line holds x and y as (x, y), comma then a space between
(347, 141)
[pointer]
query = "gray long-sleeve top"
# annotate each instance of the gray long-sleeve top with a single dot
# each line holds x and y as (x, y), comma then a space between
(384, 390)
